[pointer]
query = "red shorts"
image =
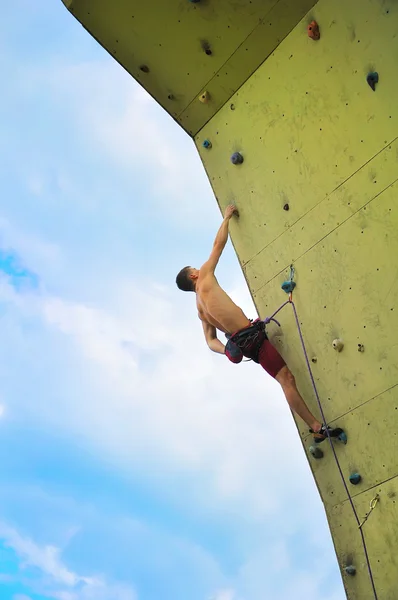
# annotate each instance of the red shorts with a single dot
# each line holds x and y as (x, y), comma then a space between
(253, 343)
(270, 359)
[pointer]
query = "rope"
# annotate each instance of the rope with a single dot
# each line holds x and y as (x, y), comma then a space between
(272, 318)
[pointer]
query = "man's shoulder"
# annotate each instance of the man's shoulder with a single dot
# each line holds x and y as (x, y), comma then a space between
(205, 275)
(204, 285)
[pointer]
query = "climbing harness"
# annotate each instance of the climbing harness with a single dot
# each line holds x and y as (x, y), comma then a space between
(288, 287)
(250, 339)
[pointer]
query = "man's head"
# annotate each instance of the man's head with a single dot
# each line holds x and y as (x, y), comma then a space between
(186, 279)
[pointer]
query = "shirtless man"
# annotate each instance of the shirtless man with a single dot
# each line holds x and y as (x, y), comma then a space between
(216, 310)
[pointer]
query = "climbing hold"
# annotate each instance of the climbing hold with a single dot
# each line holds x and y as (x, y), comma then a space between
(144, 68)
(355, 478)
(232, 106)
(170, 97)
(206, 48)
(361, 348)
(204, 97)
(207, 144)
(194, 1)
(338, 345)
(350, 570)
(286, 207)
(314, 359)
(342, 437)
(288, 286)
(316, 452)
(372, 79)
(236, 158)
(313, 30)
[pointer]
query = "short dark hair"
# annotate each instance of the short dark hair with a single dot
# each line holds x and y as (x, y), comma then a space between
(183, 280)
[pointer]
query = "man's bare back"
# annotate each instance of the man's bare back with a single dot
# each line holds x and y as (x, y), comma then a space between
(216, 307)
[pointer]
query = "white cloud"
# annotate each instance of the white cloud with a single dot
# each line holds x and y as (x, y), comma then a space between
(63, 595)
(271, 573)
(45, 558)
(224, 595)
(55, 579)
(115, 116)
(40, 254)
(2, 409)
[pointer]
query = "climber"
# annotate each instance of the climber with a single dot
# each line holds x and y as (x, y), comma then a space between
(246, 338)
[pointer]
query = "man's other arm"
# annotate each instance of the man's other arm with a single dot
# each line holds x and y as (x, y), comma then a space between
(211, 338)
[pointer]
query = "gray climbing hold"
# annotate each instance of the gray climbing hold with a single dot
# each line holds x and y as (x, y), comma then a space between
(316, 452)
(372, 79)
(236, 158)
(350, 570)
(206, 48)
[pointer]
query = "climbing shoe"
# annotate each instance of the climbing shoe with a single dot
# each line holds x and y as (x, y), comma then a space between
(322, 434)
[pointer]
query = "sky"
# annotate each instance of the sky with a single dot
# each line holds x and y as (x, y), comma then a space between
(135, 464)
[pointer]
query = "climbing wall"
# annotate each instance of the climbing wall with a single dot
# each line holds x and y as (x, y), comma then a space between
(317, 187)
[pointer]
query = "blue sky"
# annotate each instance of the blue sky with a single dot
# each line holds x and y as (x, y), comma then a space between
(135, 464)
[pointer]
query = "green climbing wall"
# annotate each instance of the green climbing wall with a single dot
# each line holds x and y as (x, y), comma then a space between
(316, 138)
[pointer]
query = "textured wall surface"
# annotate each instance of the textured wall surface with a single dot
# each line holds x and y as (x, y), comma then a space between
(316, 137)
(171, 37)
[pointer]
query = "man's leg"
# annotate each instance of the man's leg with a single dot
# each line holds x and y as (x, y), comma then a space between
(286, 379)
(273, 363)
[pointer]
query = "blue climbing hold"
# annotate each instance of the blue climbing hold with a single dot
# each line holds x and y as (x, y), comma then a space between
(350, 570)
(207, 144)
(236, 158)
(288, 286)
(343, 437)
(355, 478)
(372, 79)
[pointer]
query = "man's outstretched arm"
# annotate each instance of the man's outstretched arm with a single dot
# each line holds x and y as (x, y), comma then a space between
(220, 240)
(211, 338)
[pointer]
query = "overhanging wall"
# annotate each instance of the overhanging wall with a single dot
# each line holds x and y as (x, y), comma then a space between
(177, 49)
